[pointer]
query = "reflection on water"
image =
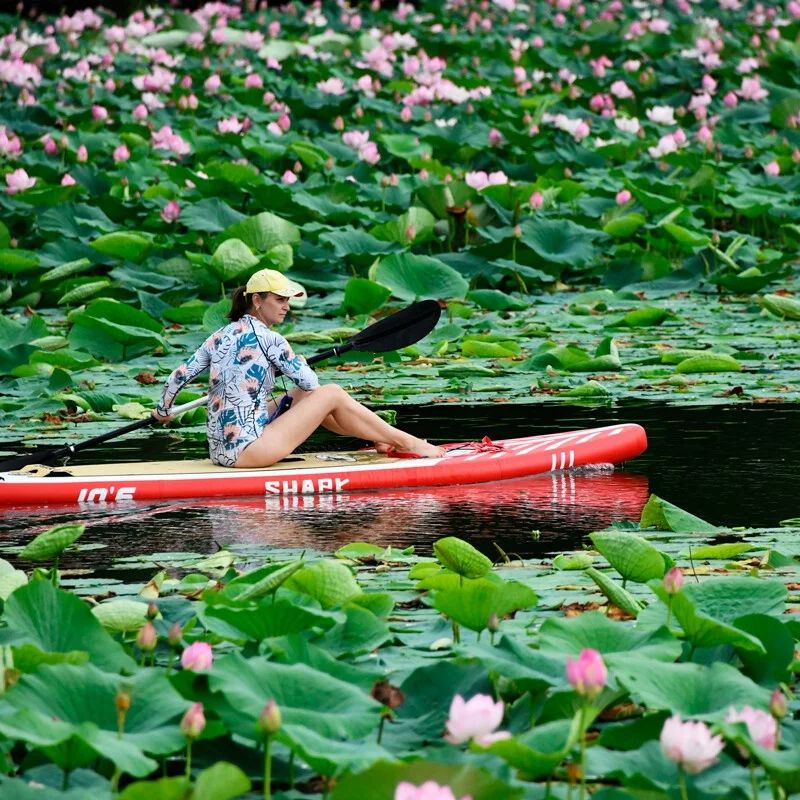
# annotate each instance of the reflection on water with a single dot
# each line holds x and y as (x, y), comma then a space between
(538, 514)
(732, 465)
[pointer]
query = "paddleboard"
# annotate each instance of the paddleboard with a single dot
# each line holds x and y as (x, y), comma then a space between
(331, 473)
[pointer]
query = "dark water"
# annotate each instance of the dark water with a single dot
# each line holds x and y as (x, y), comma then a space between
(729, 465)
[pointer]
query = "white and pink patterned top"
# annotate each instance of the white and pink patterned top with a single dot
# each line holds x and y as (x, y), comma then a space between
(243, 359)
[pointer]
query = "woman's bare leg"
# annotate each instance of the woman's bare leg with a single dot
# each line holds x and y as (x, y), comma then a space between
(329, 423)
(350, 417)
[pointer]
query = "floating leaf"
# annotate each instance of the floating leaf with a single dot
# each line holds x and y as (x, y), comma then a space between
(461, 557)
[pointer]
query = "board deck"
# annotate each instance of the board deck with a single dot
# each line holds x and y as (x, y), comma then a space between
(323, 473)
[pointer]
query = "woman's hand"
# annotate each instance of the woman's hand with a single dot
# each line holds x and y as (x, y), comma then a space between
(158, 418)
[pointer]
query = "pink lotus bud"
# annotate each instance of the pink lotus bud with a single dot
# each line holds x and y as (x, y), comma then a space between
(516, 231)
(730, 100)
(99, 113)
(704, 134)
(777, 704)
(495, 137)
(274, 28)
(193, 722)
(588, 673)
(623, 196)
(197, 657)
(186, 82)
(253, 81)
(50, 145)
(175, 635)
(121, 153)
(406, 114)
(289, 177)
(709, 84)
(147, 638)
(673, 581)
(68, 180)
(270, 719)
(284, 122)
(171, 211)
(152, 610)
(773, 169)
(536, 200)
(140, 112)
(410, 233)
(110, 85)
(83, 154)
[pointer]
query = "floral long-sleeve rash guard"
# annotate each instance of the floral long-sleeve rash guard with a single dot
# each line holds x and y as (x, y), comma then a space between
(242, 359)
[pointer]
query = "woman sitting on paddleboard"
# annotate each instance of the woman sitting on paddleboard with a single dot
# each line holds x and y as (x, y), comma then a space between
(245, 427)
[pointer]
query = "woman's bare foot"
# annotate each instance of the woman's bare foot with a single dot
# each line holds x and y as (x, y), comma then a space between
(423, 448)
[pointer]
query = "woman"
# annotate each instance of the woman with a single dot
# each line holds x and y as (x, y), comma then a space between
(245, 425)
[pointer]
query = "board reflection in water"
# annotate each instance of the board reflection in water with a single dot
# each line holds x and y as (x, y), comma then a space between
(561, 506)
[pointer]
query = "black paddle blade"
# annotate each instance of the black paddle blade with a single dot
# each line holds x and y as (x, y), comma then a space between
(400, 329)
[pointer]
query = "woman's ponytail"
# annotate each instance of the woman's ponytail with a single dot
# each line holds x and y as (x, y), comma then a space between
(239, 304)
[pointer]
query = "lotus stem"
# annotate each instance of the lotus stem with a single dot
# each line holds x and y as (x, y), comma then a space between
(268, 768)
(189, 758)
(582, 793)
(682, 783)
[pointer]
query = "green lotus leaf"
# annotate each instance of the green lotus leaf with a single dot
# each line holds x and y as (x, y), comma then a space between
(412, 277)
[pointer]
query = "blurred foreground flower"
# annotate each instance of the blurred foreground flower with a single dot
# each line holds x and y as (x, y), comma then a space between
(430, 790)
(475, 719)
(761, 726)
(690, 744)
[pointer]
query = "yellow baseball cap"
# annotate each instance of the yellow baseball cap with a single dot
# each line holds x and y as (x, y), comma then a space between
(270, 280)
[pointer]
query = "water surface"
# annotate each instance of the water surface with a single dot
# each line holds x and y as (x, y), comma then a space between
(730, 465)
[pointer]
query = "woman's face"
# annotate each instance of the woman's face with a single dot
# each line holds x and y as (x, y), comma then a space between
(270, 308)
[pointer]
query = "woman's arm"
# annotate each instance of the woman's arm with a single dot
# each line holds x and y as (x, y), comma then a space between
(179, 377)
(280, 353)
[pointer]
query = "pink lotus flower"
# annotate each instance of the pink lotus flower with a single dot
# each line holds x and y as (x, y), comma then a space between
(171, 211)
(730, 100)
(621, 90)
(49, 144)
(140, 112)
(121, 153)
(289, 177)
(495, 137)
(212, 83)
(333, 86)
(773, 168)
(476, 720)
(99, 113)
(194, 721)
(197, 657)
(430, 790)
(10, 144)
(480, 179)
(82, 154)
(751, 89)
(673, 580)
(690, 744)
(536, 200)
(18, 181)
(166, 139)
(230, 125)
(68, 180)
(623, 196)
(761, 726)
(588, 673)
(274, 28)
(661, 115)
(253, 81)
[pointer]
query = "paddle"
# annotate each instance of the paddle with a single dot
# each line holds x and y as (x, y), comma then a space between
(398, 330)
